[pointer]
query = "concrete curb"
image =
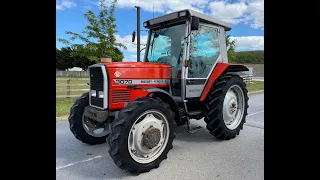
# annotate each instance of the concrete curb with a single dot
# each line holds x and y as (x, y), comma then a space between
(65, 118)
(254, 92)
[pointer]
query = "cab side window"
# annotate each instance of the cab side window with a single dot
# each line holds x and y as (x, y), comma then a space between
(204, 51)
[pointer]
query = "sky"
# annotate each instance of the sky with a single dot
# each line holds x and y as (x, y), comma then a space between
(246, 17)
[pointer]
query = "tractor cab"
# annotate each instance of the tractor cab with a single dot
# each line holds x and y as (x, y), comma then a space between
(192, 43)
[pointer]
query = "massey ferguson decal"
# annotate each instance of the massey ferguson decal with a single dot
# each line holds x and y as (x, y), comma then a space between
(117, 74)
(141, 81)
(123, 81)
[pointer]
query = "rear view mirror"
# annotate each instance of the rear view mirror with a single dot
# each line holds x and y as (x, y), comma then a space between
(195, 23)
(133, 36)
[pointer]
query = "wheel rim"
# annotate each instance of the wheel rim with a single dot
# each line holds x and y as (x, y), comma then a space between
(94, 128)
(233, 107)
(148, 136)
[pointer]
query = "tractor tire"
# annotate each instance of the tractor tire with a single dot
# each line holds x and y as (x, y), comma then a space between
(76, 122)
(220, 105)
(133, 120)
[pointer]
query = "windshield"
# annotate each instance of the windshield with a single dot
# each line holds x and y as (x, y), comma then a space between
(166, 45)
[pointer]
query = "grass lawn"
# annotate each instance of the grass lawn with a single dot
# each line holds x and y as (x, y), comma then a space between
(63, 105)
(255, 86)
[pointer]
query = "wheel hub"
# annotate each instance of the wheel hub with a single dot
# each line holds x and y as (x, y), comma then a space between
(233, 107)
(148, 136)
(151, 137)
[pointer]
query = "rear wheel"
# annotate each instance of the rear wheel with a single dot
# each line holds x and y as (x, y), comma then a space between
(142, 134)
(226, 107)
(83, 128)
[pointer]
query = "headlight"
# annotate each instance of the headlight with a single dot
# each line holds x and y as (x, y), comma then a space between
(100, 94)
(93, 93)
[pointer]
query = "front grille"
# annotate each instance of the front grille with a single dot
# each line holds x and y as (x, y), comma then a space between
(120, 96)
(96, 83)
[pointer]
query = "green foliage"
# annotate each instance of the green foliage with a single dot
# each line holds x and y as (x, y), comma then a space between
(244, 56)
(231, 51)
(98, 37)
(65, 60)
(249, 57)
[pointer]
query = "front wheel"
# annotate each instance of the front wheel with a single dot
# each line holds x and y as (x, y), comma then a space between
(142, 134)
(83, 128)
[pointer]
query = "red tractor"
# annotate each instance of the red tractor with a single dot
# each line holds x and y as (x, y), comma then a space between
(134, 106)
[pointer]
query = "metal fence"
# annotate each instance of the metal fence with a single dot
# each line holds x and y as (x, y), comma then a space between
(65, 87)
(72, 74)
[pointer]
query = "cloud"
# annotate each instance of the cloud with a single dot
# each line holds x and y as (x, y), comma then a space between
(245, 43)
(133, 57)
(256, 10)
(249, 12)
(231, 13)
(126, 40)
(163, 6)
(244, 11)
(131, 52)
(86, 7)
(64, 4)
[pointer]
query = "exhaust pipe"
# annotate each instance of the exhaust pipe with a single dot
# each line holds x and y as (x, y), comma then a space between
(138, 33)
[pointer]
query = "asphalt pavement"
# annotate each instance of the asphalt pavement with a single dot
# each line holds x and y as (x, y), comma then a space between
(197, 155)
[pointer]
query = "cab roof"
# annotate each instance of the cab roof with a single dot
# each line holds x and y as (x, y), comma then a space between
(185, 14)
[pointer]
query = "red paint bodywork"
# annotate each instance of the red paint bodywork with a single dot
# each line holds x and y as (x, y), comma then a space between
(218, 70)
(118, 94)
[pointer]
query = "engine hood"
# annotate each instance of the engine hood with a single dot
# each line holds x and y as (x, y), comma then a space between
(136, 65)
(138, 70)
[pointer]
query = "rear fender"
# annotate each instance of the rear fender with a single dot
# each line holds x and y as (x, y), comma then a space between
(220, 69)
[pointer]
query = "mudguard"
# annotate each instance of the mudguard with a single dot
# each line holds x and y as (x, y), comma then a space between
(167, 98)
(218, 70)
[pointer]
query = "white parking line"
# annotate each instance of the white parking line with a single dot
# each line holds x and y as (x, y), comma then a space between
(255, 113)
(78, 162)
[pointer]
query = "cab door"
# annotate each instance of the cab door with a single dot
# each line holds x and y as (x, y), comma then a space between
(204, 54)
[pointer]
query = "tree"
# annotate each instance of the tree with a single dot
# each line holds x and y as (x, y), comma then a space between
(231, 51)
(250, 56)
(63, 58)
(82, 62)
(98, 37)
